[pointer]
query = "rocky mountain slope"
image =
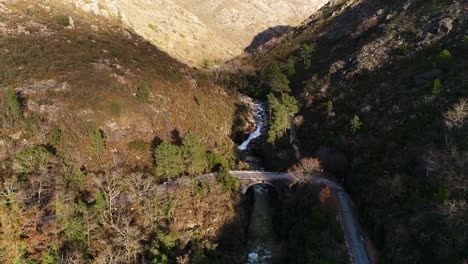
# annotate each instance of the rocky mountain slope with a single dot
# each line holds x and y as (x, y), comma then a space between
(85, 106)
(204, 31)
(382, 88)
(75, 73)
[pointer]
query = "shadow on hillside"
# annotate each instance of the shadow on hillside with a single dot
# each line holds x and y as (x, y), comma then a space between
(231, 240)
(266, 36)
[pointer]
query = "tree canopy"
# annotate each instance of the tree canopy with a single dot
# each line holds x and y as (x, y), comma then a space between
(281, 110)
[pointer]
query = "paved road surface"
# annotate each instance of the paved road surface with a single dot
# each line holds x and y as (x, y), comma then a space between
(349, 222)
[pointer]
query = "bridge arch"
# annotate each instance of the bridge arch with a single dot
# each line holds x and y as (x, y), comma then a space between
(248, 186)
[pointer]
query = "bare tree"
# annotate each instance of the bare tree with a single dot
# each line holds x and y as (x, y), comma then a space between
(305, 171)
(455, 117)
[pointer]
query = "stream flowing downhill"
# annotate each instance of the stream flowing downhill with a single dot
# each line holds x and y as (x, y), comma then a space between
(259, 120)
(261, 234)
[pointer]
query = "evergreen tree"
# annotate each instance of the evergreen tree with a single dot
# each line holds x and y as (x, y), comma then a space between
(281, 111)
(193, 153)
(169, 163)
(291, 66)
(306, 51)
(355, 124)
(437, 87)
(276, 80)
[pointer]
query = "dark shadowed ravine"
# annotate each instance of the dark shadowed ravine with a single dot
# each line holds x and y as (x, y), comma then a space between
(261, 235)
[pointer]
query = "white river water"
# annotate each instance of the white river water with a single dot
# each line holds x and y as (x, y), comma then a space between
(259, 119)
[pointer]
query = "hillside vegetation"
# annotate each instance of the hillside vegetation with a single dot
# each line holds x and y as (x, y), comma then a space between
(93, 118)
(382, 91)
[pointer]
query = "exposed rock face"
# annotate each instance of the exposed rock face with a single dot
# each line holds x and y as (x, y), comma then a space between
(194, 30)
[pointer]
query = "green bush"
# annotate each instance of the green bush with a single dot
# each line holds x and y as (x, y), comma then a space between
(138, 145)
(437, 87)
(55, 137)
(171, 74)
(441, 195)
(114, 108)
(13, 105)
(329, 106)
(62, 20)
(76, 179)
(402, 50)
(31, 160)
(48, 258)
(143, 91)
(444, 59)
(227, 180)
(198, 99)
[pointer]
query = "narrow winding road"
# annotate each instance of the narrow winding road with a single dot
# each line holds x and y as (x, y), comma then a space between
(351, 228)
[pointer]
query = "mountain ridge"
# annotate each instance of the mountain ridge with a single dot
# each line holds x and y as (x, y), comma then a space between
(201, 32)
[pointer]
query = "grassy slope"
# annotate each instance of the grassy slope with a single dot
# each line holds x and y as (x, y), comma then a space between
(401, 158)
(100, 66)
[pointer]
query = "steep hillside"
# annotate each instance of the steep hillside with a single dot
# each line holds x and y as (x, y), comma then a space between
(75, 73)
(204, 31)
(383, 95)
(93, 118)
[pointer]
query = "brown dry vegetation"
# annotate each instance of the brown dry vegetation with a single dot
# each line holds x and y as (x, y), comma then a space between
(74, 132)
(99, 62)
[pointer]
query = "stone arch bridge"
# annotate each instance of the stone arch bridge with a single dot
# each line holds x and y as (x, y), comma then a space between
(356, 241)
(247, 179)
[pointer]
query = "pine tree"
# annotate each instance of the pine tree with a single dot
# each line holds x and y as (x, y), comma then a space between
(437, 87)
(276, 80)
(355, 124)
(193, 153)
(306, 51)
(281, 112)
(169, 163)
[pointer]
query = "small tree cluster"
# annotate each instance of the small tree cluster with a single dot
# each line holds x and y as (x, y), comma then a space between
(275, 79)
(282, 109)
(31, 160)
(172, 160)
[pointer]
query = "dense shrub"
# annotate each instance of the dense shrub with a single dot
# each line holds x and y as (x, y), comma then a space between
(282, 109)
(31, 160)
(62, 20)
